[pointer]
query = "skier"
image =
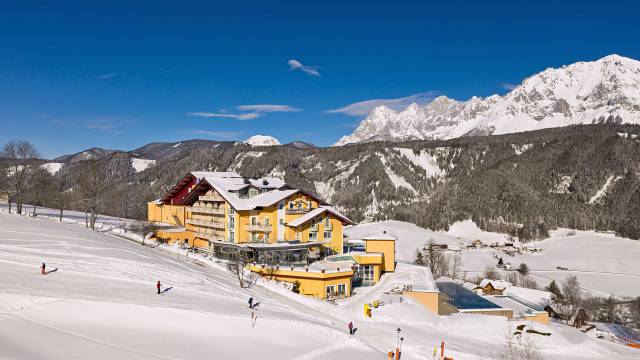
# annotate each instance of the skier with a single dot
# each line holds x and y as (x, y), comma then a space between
(251, 303)
(158, 286)
(350, 328)
(43, 269)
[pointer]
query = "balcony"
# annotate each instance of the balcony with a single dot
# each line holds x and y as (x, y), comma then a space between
(210, 237)
(297, 211)
(259, 227)
(206, 223)
(206, 210)
(210, 198)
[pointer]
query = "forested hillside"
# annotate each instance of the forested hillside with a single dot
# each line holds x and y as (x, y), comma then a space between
(585, 177)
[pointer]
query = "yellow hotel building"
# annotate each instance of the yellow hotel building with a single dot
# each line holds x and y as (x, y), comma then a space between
(287, 233)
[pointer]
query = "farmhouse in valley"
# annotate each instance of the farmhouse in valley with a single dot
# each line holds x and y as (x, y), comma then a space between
(286, 233)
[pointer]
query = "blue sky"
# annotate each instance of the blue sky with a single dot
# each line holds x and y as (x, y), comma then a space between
(75, 75)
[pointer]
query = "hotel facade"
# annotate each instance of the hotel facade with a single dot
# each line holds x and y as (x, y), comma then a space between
(286, 233)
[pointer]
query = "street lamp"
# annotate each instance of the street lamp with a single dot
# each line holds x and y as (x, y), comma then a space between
(398, 342)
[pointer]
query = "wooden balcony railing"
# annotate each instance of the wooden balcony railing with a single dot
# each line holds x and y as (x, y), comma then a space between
(206, 210)
(207, 223)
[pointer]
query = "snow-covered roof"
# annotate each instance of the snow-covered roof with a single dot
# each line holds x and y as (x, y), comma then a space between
(497, 284)
(538, 297)
(379, 236)
(315, 212)
(267, 183)
(226, 188)
(508, 302)
(331, 265)
(422, 279)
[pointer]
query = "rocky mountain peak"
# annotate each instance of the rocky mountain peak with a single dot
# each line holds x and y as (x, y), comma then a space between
(580, 93)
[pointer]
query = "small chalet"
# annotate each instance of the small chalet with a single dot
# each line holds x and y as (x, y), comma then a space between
(492, 287)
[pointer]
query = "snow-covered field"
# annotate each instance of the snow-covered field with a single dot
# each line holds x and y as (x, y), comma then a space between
(102, 304)
(604, 264)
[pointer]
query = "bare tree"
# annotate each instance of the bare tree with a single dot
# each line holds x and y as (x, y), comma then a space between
(39, 187)
(523, 269)
(238, 267)
(490, 272)
(456, 265)
(92, 188)
(571, 290)
(435, 258)
(519, 345)
(61, 194)
(144, 228)
(19, 154)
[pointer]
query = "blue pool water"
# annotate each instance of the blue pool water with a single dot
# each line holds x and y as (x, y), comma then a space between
(464, 299)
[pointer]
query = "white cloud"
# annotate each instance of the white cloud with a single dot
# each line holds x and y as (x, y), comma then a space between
(246, 116)
(268, 108)
(363, 108)
(107, 76)
(253, 111)
(297, 65)
(508, 86)
(220, 134)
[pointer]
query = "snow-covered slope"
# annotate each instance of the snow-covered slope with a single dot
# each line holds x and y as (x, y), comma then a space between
(52, 167)
(102, 304)
(141, 164)
(606, 90)
(603, 263)
(262, 140)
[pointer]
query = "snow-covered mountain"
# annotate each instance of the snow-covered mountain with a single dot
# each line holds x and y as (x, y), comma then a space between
(606, 90)
(262, 140)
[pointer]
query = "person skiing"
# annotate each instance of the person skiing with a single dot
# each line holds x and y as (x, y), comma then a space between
(350, 328)
(251, 303)
(158, 285)
(43, 269)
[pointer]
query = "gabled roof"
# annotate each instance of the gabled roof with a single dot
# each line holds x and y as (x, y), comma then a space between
(496, 284)
(226, 188)
(198, 176)
(317, 211)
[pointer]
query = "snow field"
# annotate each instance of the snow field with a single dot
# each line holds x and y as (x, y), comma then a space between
(102, 303)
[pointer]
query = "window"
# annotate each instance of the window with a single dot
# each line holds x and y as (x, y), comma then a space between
(232, 210)
(281, 221)
(313, 235)
(330, 291)
(232, 236)
(232, 221)
(254, 237)
(253, 192)
(327, 235)
(327, 221)
(281, 205)
(342, 289)
(254, 220)
(290, 204)
(298, 235)
(266, 221)
(309, 204)
(300, 206)
(368, 273)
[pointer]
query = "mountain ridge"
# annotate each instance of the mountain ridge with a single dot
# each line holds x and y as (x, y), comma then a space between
(604, 90)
